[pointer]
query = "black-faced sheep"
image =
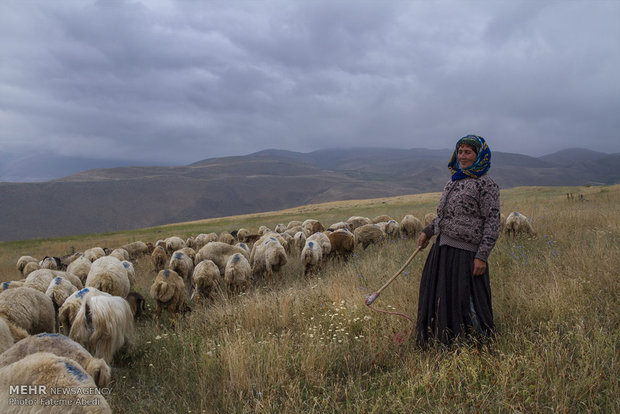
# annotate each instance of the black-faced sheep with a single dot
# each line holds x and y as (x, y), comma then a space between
(60, 345)
(169, 292)
(29, 309)
(410, 226)
(368, 234)
(109, 275)
(103, 325)
(237, 273)
(45, 371)
(518, 224)
(206, 279)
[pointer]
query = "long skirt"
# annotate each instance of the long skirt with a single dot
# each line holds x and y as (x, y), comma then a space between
(453, 304)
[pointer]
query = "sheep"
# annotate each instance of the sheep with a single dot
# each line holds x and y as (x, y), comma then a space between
(6, 337)
(219, 253)
(168, 291)
(136, 303)
(262, 230)
(323, 241)
(71, 306)
(342, 243)
(50, 262)
(294, 223)
(243, 246)
(45, 371)
(28, 309)
(502, 223)
(80, 267)
(368, 234)
(159, 258)
(391, 228)
(182, 264)
(410, 226)
(174, 243)
(267, 257)
(120, 253)
(103, 325)
(23, 260)
(59, 345)
(288, 242)
(242, 234)
(11, 284)
(226, 237)
(280, 228)
(518, 224)
(428, 217)
(357, 221)
(299, 241)
(311, 226)
(94, 253)
(381, 219)
(39, 279)
(131, 272)
(202, 239)
(237, 273)
(206, 279)
(340, 225)
(136, 249)
(29, 268)
(58, 291)
(109, 275)
(311, 256)
(190, 242)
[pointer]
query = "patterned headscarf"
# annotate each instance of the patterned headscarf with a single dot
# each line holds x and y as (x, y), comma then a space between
(479, 167)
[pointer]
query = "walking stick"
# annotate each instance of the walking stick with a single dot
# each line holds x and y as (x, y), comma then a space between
(370, 299)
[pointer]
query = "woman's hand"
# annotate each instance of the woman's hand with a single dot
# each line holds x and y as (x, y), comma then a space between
(422, 241)
(479, 267)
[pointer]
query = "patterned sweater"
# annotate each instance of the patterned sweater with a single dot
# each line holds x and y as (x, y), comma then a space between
(468, 215)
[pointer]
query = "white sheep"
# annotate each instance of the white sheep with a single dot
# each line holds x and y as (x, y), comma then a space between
(103, 325)
(311, 226)
(237, 273)
(267, 257)
(518, 224)
(383, 218)
(71, 306)
(80, 267)
(120, 253)
(23, 260)
(342, 243)
(131, 272)
(94, 253)
(136, 249)
(29, 309)
(6, 337)
(168, 291)
(368, 234)
(60, 345)
(58, 291)
(323, 241)
(244, 246)
(174, 243)
(226, 237)
(184, 266)
(357, 221)
(204, 238)
(391, 228)
(340, 225)
(280, 228)
(410, 226)
(44, 371)
(29, 268)
(39, 279)
(299, 241)
(109, 275)
(311, 256)
(206, 279)
(428, 217)
(50, 262)
(219, 253)
(11, 284)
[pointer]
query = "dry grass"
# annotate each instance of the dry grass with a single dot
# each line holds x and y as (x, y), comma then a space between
(311, 345)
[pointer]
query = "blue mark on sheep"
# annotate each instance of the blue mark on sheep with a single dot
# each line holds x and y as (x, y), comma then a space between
(178, 255)
(47, 334)
(76, 371)
(516, 214)
(311, 244)
(82, 292)
(5, 285)
(166, 273)
(126, 264)
(57, 280)
(236, 258)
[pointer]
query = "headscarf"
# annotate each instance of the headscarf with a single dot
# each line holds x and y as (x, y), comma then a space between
(479, 167)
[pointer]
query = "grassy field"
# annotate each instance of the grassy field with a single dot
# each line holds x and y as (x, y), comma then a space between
(311, 345)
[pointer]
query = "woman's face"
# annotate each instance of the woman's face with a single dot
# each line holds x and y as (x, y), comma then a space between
(466, 156)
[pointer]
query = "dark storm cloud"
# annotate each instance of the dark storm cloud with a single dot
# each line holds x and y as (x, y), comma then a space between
(181, 81)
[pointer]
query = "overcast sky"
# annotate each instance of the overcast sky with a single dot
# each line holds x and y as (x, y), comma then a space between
(180, 81)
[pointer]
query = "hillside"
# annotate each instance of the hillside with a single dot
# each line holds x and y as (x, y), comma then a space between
(103, 200)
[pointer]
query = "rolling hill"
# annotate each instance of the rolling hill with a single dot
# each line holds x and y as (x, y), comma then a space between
(103, 200)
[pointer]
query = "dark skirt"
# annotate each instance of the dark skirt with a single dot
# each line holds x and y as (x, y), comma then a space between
(453, 304)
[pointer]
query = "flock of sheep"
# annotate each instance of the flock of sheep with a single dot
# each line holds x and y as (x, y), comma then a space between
(68, 316)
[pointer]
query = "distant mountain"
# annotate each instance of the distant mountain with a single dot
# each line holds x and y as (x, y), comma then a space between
(130, 197)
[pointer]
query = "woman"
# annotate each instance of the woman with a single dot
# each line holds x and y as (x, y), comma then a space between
(455, 293)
